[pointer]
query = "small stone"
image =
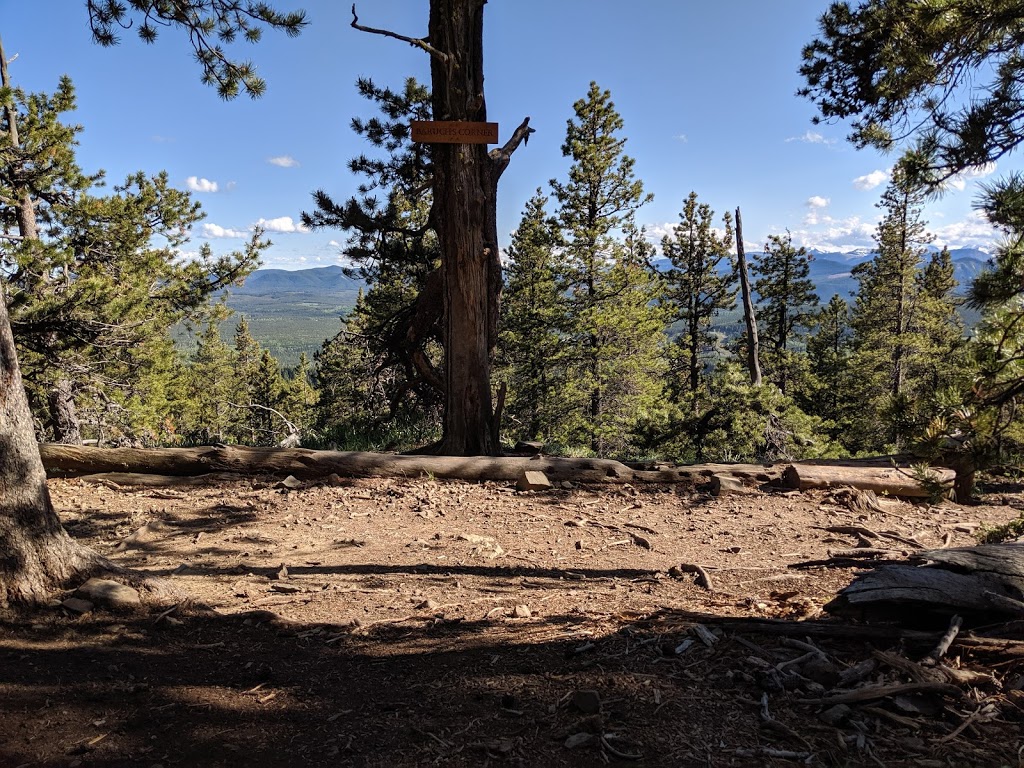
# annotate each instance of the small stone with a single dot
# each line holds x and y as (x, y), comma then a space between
(567, 485)
(77, 605)
(522, 612)
(291, 483)
(820, 671)
(588, 702)
(112, 594)
(579, 740)
(533, 480)
(835, 715)
(726, 485)
(288, 589)
(429, 605)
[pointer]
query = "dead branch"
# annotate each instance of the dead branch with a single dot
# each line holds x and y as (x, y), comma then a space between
(416, 42)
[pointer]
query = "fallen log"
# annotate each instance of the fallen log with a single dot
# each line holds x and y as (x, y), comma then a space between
(893, 481)
(982, 581)
(76, 460)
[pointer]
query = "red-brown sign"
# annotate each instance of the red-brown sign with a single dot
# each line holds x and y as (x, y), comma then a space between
(454, 132)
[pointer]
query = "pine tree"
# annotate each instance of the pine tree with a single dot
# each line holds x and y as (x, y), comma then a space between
(906, 336)
(828, 351)
(299, 398)
(94, 282)
(697, 290)
(596, 202)
(787, 300)
(211, 380)
(533, 318)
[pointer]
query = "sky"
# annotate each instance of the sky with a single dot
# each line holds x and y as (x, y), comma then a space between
(706, 91)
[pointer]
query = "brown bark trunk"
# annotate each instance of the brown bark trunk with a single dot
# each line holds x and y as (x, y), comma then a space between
(889, 480)
(63, 414)
(749, 318)
(464, 202)
(36, 555)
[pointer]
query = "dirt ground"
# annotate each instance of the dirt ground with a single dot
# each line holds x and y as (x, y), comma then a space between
(443, 623)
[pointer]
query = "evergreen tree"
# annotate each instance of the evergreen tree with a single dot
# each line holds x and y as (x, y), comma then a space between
(299, 398)
(828, 351)
(787, 300)
(211, 381)
(906, 337)
(533, 319)
(697, 289)
(599, 273)
(94, 283)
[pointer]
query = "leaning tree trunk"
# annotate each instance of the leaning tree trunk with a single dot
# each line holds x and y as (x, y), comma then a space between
(36, 554)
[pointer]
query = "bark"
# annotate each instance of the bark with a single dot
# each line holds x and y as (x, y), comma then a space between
(68, 460)
(749, 317)
(36, 554)
(982, 581)
(888, 480)
(63, 414)
(24, 211)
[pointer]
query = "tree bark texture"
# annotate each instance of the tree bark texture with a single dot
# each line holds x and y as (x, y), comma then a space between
(68, 460)
(63, 414)
(465, 220)
(983, 580)
(36, 555)
(749, 316)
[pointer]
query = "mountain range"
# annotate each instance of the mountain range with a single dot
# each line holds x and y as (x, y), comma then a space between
(294, 311)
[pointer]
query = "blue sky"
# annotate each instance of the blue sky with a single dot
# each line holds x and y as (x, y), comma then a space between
(706, 90)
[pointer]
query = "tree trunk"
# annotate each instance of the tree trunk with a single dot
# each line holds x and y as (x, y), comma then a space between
(749, 318)
(36, 555)
(63, 414)
(67, 460)
(889, 480)
(464, 197)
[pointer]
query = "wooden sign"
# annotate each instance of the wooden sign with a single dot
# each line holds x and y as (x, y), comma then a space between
(454, 132)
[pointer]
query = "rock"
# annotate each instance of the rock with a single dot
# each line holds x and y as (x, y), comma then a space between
(429, 605)
(291, 483)
(335, 480)
(533, 480)
(522, 612)
(566, 485)
(820, 671)
(588, 702)
(579, 740)
(111, 594)
(288, 589)
(727, 485)
(77, 605)
(835, 715)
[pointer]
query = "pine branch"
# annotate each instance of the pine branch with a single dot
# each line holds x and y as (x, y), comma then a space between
(416, 42)
(503, 155)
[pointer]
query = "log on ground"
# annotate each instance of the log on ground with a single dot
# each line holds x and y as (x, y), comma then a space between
(893, 481)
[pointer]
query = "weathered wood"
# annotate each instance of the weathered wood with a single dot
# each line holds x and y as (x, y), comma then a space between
(67, 460)
(749, 316)
(992, 584)
(893, 481)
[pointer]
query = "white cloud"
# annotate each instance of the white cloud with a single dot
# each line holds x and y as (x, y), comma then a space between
(334, 244)
(959, 181)
(974, 231)
(812, 137)
(215, 230)
(870, 180)
(682, 138)
(281, 224)
(836, 234)
(283, 161)
(197, 184)
(817, 201)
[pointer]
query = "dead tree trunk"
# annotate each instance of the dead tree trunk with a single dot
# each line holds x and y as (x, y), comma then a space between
(893, 481)
(63, 414)
(749, 318)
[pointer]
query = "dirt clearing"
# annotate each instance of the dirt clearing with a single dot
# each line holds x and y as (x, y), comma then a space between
(446, 623)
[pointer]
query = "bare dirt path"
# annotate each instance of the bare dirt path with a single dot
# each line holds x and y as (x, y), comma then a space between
(457, 624)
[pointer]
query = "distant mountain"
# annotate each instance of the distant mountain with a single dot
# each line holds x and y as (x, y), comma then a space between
(831, 270)
(320, 281)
